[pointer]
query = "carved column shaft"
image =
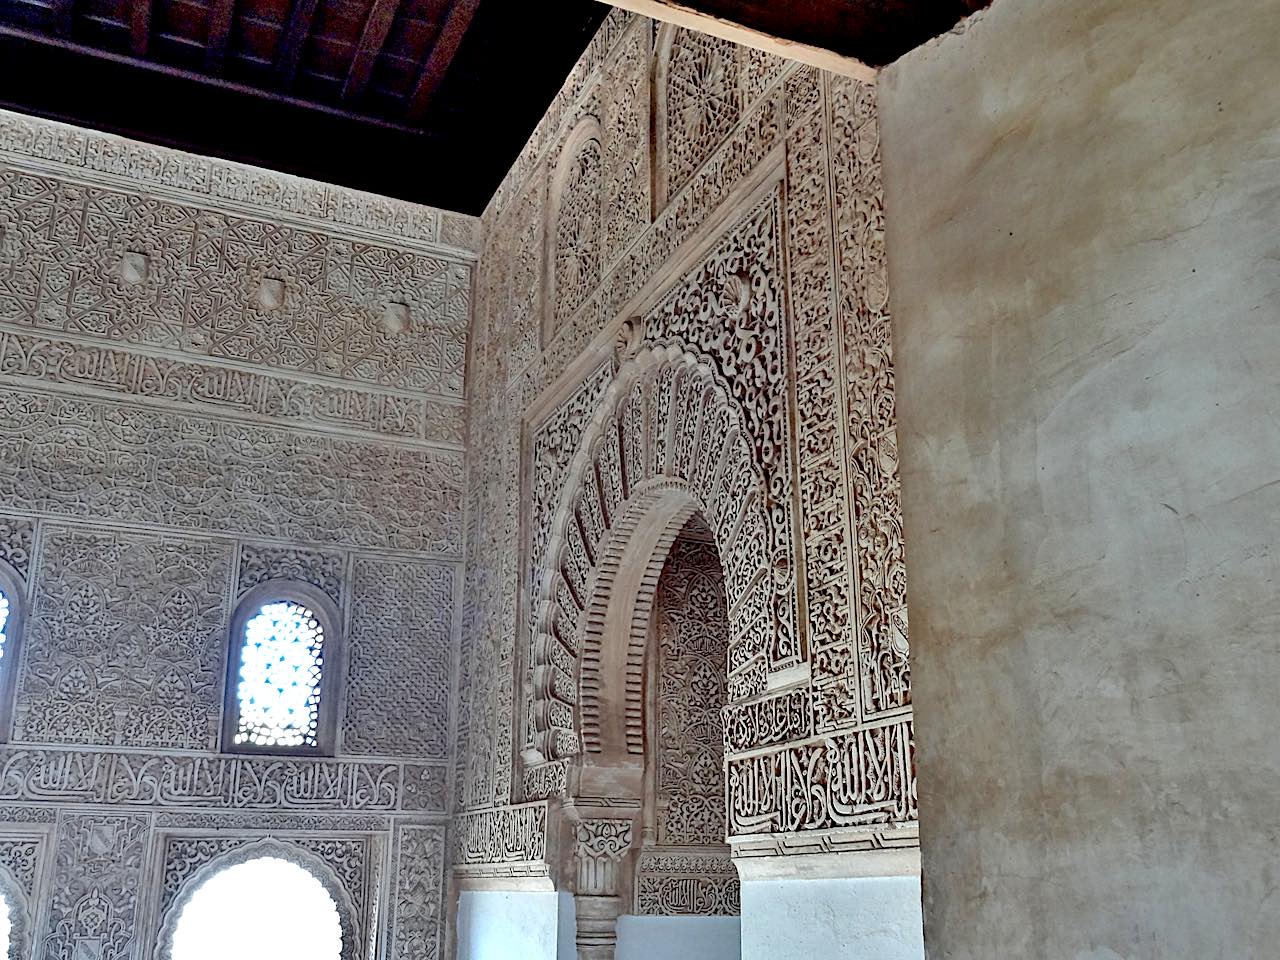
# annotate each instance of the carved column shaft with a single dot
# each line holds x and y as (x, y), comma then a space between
(601, 847)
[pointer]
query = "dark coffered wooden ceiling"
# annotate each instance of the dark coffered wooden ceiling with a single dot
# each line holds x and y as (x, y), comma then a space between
(426, 100)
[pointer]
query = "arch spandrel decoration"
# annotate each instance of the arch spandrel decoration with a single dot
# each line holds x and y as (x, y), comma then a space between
(352, 945)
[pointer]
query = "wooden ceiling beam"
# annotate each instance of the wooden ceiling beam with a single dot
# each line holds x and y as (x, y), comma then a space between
(376, 28)
(42, 38)
(139, 26)
(292, 41)
(62, 14)
(442, 54)
(221, 17)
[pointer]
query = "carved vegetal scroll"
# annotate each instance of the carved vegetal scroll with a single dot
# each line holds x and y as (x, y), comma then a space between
(418, 892)
(97, 869)
(691, 631)
(124, 642)
(576, 227)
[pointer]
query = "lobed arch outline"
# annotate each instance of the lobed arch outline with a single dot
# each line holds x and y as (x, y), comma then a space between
(667, 441)
(18, 905)
(257, 849)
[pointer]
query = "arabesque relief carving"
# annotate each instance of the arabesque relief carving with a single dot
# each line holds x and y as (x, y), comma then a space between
(124, 643)
(691, 629)
(213, 378)
(753, 382)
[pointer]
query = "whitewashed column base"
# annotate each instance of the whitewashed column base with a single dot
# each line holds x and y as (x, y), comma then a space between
(529, 924)
(863, 906)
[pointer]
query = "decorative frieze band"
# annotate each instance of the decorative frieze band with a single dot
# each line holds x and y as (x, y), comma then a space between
(686, 884)
(860, 779)
(104, 460)
(503, 835)
(210, 781)
(54, 146)
(81, 367)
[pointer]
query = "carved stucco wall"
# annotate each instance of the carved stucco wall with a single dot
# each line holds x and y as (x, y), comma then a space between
(683, 867)
(724, 336)
(211, 377)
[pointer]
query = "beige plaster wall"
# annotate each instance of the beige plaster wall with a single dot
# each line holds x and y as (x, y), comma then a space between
(1083, 206)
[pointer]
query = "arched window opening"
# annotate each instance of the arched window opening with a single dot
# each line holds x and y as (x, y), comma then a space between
(266, 908)
(4, 620)
(280, 683)
(6, 927)
(12, 611)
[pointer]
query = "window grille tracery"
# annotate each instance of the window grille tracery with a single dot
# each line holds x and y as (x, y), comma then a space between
(279, 698)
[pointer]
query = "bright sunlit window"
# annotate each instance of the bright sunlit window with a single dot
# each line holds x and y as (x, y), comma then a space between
(6, 921)
(263, 909)
(279, 683)
(4, 623)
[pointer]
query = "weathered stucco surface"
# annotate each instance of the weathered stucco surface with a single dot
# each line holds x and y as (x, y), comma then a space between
(1083, 206)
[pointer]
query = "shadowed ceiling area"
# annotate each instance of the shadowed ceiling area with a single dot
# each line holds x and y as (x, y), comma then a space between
(423, 100)
(876, 32)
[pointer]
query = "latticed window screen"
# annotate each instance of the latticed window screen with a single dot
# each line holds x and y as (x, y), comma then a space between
(279, 684)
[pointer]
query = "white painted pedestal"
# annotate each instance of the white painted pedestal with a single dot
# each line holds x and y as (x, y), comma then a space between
(810, 908)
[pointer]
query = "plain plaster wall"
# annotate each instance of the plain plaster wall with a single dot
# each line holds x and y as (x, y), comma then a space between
(679, 938)
(867, 918)
(1083, 209)
(515, 925)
